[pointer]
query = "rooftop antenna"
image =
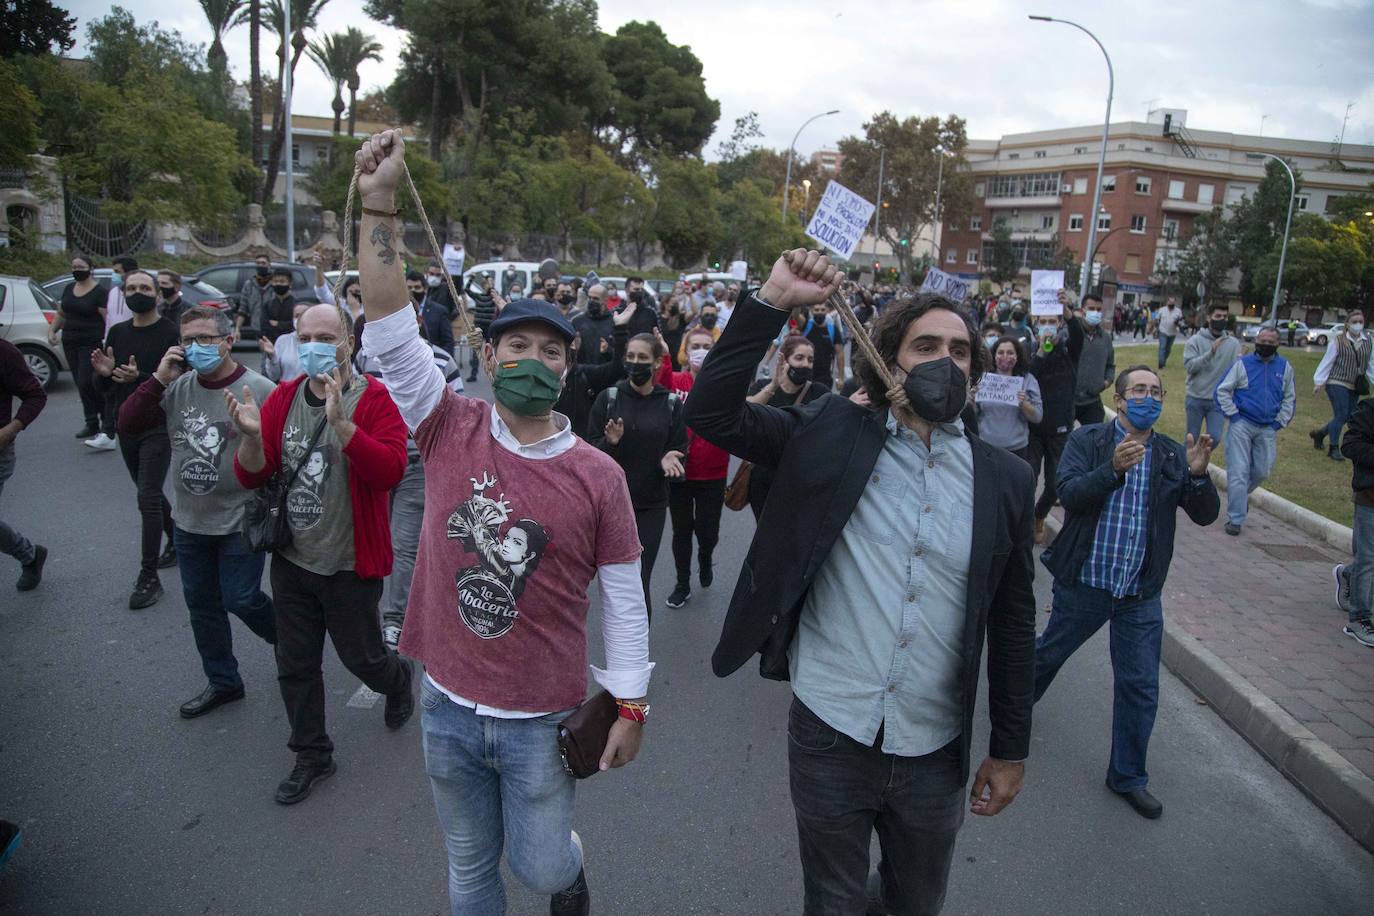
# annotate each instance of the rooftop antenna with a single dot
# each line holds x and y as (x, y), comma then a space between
(1340, 143)
(1149, 107)
(1263, 118)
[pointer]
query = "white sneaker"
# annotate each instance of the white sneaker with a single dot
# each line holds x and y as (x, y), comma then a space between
(101, 443)
(391, 635)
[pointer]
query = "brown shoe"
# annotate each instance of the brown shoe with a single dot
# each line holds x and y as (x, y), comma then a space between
(1039, 531)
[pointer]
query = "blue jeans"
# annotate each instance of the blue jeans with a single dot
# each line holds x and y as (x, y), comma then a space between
(1137, 631)
(1342, 402)
(498, 783)
(1166, 346)
(1204, 410)
(1362, 567)
(407, 514)
(1250, 453)
(219, 577)
(11, 541)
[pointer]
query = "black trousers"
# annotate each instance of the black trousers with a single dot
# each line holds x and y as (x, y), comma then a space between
(842, 791)
(649, 523)
(695, 507)
(148, 456)
(343, 605)
(1090, 413)
(1045, 449)
(92, 401)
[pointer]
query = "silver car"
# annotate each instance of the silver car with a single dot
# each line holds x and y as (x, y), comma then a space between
(26, 312)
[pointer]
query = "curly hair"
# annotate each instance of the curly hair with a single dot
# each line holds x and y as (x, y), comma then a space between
(891, 328)
(1022, 362)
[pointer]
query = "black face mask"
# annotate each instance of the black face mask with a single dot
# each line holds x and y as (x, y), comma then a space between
(594, 308)
(1017, 316)
(637, 296)
(565, 299)
(639, 373)
(140, 303)
(264, 272)
(1218, 327)
(1264, 351)
(799, 375)
(708, 321)
(168, 293)
(280, 290)
(937, 390)
(80, 276)
(417, 294)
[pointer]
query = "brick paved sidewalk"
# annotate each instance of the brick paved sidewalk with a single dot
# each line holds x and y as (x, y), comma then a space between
(1264, 602)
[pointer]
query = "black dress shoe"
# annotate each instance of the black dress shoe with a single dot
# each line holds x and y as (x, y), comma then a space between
(401, 704)
(303, 776)
(1145, 804)
(31, 574)
(576, 900)
(210, 698)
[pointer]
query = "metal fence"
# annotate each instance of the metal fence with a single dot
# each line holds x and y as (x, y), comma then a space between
(307, 227)
(92, 234)
(225, 235)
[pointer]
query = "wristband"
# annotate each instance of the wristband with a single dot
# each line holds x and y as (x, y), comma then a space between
(635, 712)
(385, 214)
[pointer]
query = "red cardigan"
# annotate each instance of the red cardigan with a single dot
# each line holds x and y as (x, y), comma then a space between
(705, 461)
(376, 463)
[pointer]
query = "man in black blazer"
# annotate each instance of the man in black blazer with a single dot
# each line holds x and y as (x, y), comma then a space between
(891, 543)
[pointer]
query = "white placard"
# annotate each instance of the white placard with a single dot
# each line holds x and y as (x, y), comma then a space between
(942, 284)
(739, 270)
(840, 220)
(453, 260)
(1045, 287)
(1000, 389)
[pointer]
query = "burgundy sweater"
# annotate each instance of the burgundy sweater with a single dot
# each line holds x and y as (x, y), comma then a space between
(16, 381)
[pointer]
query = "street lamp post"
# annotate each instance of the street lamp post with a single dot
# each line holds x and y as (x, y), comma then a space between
(290, 158)
(939, 187)
(1102, 156)
(1283, 252)
(806, 201)
(787, 183)
(878, 208)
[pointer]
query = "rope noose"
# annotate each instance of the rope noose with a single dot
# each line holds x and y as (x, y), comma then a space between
(470, 329)
(896, 395)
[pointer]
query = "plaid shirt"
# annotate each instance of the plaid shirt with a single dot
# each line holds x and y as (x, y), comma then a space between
(1118, 551)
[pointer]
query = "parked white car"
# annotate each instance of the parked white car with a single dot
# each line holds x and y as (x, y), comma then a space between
(26, 312)
(1320, 337)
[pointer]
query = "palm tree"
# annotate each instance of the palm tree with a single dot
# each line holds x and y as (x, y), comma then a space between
(339, 55)
(255, 80)
(223, 15)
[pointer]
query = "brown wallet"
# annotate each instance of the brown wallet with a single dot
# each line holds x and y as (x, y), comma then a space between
(583, 734)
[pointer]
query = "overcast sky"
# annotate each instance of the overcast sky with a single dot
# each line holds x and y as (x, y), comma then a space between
(1228, 62)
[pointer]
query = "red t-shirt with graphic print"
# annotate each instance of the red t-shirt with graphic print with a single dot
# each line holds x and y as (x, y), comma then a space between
(509, 544)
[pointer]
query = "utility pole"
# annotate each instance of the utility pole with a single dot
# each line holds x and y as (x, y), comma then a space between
(878, 210)
(290, 145)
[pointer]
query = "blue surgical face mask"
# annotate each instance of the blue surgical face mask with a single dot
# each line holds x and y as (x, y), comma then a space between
(1143, 412)
(318, 358)
(990, 340)
(204, 358)
(116, 280)
(1093, 318)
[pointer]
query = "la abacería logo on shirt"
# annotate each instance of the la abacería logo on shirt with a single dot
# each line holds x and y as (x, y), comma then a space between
(507, 554)
(202, 442)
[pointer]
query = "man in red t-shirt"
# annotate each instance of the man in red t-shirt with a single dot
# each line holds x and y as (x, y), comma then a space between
(520, 515)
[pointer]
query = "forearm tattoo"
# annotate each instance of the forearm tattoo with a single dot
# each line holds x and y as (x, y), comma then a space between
(381, 238)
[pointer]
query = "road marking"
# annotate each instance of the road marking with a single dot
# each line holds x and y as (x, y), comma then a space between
(364, 698)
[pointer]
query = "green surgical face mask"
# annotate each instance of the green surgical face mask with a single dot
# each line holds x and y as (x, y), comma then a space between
(526, 387)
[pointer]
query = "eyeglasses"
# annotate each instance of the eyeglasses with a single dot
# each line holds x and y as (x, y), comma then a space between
(1144, 391)
(205, 340)
(354, 294)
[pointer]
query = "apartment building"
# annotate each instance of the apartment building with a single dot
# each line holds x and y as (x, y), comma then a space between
(312, 139)
(1159, 176)
(828, 161)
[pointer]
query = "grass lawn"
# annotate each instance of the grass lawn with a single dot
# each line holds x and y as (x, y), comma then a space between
(1301, 474)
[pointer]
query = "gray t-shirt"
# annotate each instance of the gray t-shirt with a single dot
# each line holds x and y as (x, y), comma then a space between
(318, 505)
(206, 496)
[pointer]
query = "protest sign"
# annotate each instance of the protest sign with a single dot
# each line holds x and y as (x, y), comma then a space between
(840, 220)
(942, 284)
(739, 270)
(1045, 287)
(1000, 389)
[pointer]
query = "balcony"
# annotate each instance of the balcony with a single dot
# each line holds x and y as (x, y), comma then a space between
(1173, 205)
(1050, 201)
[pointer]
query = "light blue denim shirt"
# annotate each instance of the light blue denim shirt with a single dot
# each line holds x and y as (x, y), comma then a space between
(881, 634)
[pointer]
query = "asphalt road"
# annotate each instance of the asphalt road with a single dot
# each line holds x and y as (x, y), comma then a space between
(128, 809)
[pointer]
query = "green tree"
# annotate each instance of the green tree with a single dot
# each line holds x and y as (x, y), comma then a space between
(911, 174)
(580, 195)
(1207, 256)
(1256, 224)
(254, 19)
(750, 228)
(1326, 266)
(19, 112)
(1002, 263)
(339, 55)
(686, 222)
(328, 182)
(222, 15)
(659, 102)
(34, 27)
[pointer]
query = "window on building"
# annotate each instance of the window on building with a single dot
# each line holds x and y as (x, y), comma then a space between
(1076, 222)
(975, 222)
(1331, 202)
(1142, 184)
(1171, 229)
(1104, 221)
(1303, 201)
(1204, 193)
(1149, 149)
(1234, 194)
(952, 226)
(1013, 155)
(1080, 186)
(952, 256)
(1132, 263)
(1175, 190)
(1138, 224)
(972, 256)
(1108, 184)
(295, 155)
(1037, 184)
(1047, 221)
(1039, 154)
(1121, 146)
(1079, 150)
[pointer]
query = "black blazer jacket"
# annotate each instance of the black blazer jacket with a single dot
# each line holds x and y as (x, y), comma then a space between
(824, 453)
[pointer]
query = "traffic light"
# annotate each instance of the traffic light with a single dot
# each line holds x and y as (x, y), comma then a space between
(715, 265)
(905, 242)
(877, 266)
(886, 205)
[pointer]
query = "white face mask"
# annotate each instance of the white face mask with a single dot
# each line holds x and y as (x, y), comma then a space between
(696, 357)
(1355, 327)
(434, 281)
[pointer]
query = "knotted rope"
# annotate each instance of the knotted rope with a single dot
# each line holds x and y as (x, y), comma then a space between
(470, 329)
(896, 395)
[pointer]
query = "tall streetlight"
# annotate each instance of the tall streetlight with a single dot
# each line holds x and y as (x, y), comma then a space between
(290, 139)
(878, 207)
(1283, 252)
(806, 201)
(1102, 156)
(939, 187)
(787, 184)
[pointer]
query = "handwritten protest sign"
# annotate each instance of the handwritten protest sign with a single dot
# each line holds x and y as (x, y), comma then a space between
(1045, 287)
(840, 220)
(942, 284)
(1000, 389)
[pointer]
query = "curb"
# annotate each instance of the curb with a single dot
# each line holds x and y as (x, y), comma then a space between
(1324, 776)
